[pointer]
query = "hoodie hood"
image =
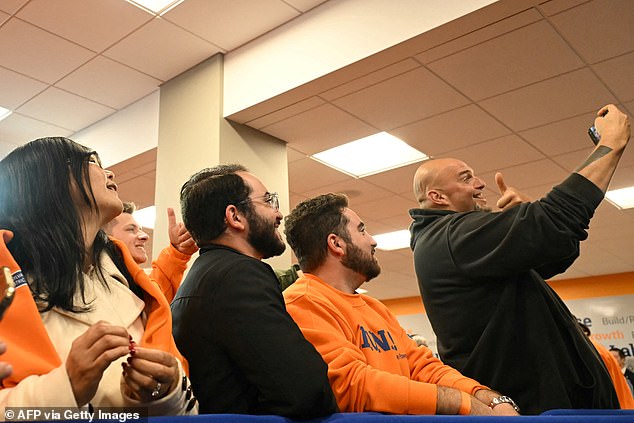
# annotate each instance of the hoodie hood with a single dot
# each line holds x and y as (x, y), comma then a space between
(422, 218)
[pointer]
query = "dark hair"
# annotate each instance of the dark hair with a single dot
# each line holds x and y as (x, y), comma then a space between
(37, 204)
(128, 207)
(205, 197)
(620, 351)
(307, 228)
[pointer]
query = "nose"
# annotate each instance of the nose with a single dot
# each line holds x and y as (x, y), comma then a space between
(143, 236)
(109, 174)
(373, 243)
(479, 183)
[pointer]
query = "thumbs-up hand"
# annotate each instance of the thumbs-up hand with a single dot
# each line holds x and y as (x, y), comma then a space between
(510, 196)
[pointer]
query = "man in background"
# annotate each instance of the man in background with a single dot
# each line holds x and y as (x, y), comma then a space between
(481, 276)
(245, 353)
(169, 266)
(618, 355)
(372, 364)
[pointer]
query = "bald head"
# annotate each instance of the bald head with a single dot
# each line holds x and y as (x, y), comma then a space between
(426, 176)
(448, 184)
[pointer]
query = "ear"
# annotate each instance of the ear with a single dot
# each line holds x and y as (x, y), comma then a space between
(234, 218)
(436, 197)
(336, 246)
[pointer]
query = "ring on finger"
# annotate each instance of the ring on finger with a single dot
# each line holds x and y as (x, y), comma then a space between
(157, 390)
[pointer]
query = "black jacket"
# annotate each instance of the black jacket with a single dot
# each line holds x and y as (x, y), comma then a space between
(245, 352)
(481, 276)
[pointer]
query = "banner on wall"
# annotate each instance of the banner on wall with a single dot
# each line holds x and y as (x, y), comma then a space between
(610, 319)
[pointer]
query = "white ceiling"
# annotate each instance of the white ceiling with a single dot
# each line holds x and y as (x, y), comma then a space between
(511, 87)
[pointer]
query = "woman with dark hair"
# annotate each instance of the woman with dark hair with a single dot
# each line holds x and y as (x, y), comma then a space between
(87, 326)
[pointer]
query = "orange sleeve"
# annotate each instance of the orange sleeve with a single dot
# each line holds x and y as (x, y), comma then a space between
(168, 269)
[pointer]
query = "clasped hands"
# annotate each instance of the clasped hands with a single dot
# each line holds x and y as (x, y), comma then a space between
(147, 375)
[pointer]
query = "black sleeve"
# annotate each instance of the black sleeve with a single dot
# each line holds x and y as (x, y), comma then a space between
(290, 375)
(542, 235)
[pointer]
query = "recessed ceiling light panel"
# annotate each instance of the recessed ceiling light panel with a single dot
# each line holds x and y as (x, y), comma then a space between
(367, 156)
(392, 240)
(622, 198)
(155, 7)
(4, 113)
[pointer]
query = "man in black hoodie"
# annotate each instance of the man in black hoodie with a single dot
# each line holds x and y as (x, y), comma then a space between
(481, 276)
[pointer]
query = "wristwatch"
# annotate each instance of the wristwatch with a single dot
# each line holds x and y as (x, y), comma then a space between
(504, 400)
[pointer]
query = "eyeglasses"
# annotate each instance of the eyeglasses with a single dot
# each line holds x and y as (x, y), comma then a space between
(271, 198)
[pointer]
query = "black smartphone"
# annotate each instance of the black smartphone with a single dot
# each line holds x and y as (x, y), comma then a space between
(7, 289)
(594, 135)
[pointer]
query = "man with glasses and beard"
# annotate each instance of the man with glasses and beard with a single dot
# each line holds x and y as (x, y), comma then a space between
(372, 364)
(246, 355)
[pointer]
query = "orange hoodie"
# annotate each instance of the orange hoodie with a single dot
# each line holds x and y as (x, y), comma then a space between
(31, 351)
(372, 364)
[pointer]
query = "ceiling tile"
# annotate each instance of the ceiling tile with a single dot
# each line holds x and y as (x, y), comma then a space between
(230, 23)
(529, 175)
(357, 190)
(595, 261)
(36, 53)
(293, 155)
(286, 112)
(307, 174)
(319, 129)
(161, 49)
(398, 181)
(616, 74)
(64, 109)
(606, 217)
(117, 86)
(5, 147)
(473, 72)
(94, 24)
(572, 160)
(381, 209)
(497, 154)
(623, 177)
(598, 29)
(139, 190)
(304, 5)
(12, 6)
(414, 95)
(561, 137)
(553, 7)
(479, 36)
(549, 101)
(373, 78)
(17, 88)
(18, 129)
(440, 134)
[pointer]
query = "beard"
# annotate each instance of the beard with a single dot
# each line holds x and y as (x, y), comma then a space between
(263, 236)
(361, 262)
